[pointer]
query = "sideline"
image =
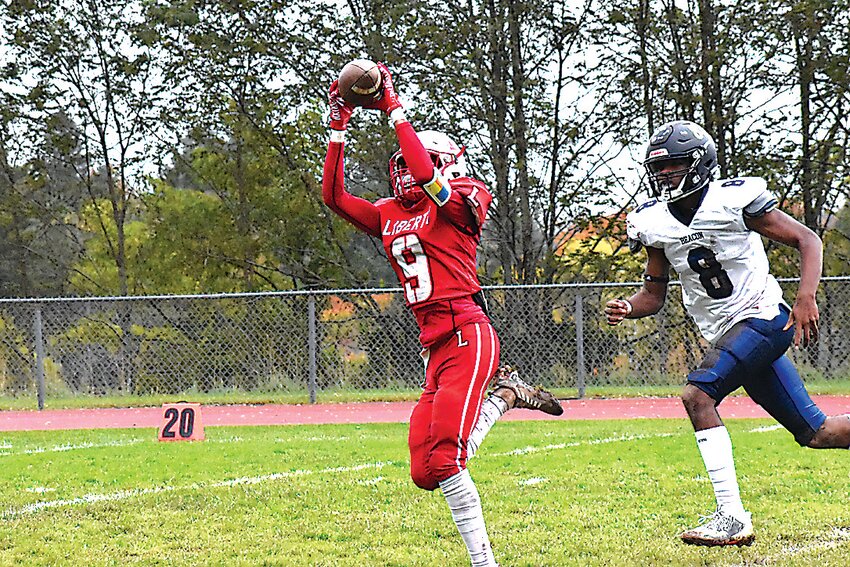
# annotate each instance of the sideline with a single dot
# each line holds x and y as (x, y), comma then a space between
(374, 412)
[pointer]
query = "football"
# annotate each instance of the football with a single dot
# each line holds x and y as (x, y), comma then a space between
(360, 82)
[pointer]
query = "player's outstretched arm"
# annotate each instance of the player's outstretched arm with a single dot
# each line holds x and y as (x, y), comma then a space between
(359, 212)
(780, 227)
(650, 298)
(421, 167)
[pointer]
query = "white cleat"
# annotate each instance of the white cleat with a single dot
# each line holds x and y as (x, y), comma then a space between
(721, 529)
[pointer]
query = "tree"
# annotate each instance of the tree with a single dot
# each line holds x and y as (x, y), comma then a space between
(86, 59)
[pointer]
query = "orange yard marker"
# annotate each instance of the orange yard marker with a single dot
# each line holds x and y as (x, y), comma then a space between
(181, 421)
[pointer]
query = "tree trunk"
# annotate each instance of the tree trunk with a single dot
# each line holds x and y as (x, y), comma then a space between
(520, 136)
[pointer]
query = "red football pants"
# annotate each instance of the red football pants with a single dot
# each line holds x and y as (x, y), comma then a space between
(457, 372)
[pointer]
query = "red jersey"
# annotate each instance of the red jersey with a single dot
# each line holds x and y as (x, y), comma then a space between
(433, 252)
(432, 249)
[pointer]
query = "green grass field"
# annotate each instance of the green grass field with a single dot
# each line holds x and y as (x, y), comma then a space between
(608, 493)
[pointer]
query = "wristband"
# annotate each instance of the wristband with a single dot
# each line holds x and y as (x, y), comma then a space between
(438, 189)
(656, 279)
(397, 115)
(337, 136)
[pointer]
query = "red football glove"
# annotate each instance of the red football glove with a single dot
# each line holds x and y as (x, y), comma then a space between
(389, 99)
(341, 111)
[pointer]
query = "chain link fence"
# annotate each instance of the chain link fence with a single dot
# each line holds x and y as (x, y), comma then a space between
(353, 340)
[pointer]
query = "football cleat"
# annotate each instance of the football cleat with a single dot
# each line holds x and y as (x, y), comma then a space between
(721, 529)
(527, 396)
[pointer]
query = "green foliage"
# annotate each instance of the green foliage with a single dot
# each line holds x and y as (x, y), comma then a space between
(213, 114)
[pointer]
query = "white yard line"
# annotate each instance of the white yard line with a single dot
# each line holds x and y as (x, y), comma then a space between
(532, 449)
(766, 428)
(136, 492)
(532, 481)
(638, 437)
(68, 447)
(90, 445)
(837, 537)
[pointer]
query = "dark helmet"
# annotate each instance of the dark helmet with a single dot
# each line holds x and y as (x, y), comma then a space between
(685, 142)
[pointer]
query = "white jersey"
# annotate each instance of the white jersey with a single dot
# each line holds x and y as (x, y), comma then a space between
(721, 264)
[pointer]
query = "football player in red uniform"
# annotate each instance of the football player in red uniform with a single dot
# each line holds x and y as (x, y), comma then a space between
(430, 231)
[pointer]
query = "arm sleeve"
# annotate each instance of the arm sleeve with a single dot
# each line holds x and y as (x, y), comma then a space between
(359, 212)
(414, 153)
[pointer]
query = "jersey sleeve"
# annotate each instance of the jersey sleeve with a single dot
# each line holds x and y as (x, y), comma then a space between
(468, 205)
(359, 212)
(638, 229)
(415, 154)
(760, 200)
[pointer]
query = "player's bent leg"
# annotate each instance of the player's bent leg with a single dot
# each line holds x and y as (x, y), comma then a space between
(519, 394)
(504, 396)
(463, 379)
(492, 409)
(781, 392)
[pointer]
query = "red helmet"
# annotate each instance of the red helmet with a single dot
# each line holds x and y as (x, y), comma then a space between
(446, 155)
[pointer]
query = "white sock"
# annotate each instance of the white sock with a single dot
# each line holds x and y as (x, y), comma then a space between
(492, 409)
(715, 446)
(465, 505)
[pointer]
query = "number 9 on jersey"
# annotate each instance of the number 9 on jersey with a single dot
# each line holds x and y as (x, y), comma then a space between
(411, 259)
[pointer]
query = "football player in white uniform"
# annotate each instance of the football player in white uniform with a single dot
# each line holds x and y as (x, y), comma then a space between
(710, 231)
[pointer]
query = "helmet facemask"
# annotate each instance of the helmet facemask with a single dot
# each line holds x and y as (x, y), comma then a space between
(401, 179)
(663, 183)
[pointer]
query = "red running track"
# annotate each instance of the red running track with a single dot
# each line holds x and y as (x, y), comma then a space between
(374, 412)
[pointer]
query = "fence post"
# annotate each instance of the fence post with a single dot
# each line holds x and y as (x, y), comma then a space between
(39, 356)
(579, 317)
(311, 346)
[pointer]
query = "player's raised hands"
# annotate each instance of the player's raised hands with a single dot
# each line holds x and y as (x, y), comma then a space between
(616, 310)
(341, 111)
(388, 101)
(804, 318)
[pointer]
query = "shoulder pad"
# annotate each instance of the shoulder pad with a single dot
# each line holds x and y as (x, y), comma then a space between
(640, 224)
(746, 194)
(738, 189)
(645, 205)
(466, 185)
